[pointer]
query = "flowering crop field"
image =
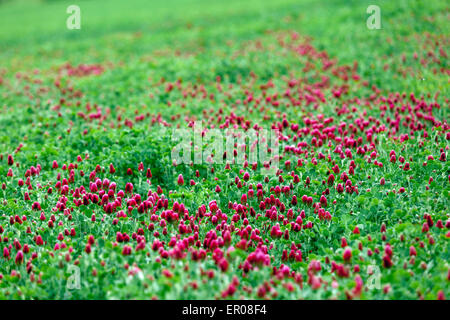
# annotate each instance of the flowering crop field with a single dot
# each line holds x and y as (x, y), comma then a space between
(224, 150)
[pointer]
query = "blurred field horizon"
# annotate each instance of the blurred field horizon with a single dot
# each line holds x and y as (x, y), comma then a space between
(141, 27)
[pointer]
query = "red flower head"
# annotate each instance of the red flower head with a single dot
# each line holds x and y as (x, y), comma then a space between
(39, 240)
(19, 257)
(347, 255)
(223, 265)
(5, 253)
(36, 206)
(330, 179)
(387, 262)
(10, 160)
(323, 200)
(180, 180)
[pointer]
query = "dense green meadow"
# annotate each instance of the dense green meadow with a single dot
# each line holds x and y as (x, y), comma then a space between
(352, 203)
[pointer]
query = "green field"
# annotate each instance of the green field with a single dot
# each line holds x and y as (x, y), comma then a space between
(362, 124)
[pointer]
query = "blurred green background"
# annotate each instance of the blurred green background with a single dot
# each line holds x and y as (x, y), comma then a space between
(33, 33)
(33, 25)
